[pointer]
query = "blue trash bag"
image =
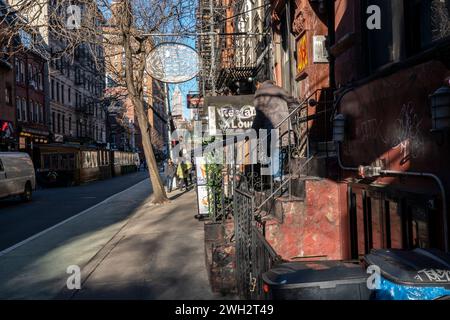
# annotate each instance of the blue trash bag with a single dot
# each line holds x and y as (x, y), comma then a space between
(392, 291)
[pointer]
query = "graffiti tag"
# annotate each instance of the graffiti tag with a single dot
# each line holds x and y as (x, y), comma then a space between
(409, 138)
(434, 275)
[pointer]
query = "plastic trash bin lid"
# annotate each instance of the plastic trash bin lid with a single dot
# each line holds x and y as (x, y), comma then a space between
(419, 267)
(298, 273)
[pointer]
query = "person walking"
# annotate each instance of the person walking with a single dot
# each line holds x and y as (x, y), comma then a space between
(169, 173)
(182, 175)
(189, 172)
(272, 105)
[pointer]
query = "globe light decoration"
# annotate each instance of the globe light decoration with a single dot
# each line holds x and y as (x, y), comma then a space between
(172, 62)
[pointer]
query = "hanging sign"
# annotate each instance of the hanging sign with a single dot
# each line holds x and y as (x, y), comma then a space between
(173, 62)
(230, 114)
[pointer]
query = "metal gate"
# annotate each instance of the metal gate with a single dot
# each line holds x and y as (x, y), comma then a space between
(254, 255)
(263, 258)
(243, 208)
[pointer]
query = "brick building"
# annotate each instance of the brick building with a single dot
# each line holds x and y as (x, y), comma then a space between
(386, 78)
(8, 127)
(31, 95)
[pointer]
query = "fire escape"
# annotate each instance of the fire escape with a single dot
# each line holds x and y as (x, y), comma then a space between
(234, 46)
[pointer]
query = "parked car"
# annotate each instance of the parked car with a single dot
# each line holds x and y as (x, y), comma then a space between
(17, 176)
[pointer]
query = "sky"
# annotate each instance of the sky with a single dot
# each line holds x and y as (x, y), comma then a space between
(186, 87)
(191, 85)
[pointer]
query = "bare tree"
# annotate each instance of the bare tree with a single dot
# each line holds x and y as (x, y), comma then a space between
(108, 31)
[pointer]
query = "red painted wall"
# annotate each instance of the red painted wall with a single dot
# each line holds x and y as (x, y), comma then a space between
(314, 229)
(390, 120)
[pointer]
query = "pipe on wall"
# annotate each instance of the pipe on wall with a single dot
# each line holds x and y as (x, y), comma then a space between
(411, 174)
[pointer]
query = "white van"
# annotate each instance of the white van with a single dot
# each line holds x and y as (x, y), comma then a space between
(17, 175)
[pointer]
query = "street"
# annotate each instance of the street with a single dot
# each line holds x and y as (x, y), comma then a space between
(125, 247)
(19, 221)
(291, 150)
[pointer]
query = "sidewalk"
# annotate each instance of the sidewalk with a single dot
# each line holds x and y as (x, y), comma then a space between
(126, 249)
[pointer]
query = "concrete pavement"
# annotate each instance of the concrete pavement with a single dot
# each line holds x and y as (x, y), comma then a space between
(19, 221)
(126, 249)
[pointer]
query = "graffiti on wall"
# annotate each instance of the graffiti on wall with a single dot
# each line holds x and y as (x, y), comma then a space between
(371, 130)
(408, 137)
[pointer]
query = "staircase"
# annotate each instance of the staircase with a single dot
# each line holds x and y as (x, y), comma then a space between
(295, 217)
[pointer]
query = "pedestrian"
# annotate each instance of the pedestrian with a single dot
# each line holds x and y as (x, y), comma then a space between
(189, 172)
(272, 105)
(169, 173)
(182, 175)
(137, 162)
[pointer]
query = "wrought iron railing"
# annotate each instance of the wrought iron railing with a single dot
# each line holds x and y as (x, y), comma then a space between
(296, 150)
(263, 258)
(243, 217)
(252, 191)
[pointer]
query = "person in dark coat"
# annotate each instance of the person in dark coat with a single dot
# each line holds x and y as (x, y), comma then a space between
(272, 105)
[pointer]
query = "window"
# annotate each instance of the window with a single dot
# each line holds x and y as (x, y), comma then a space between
(22, 72)
(53, 122)
(19, 109)
(63, 124)
(24, 110)
(53, 89)
(62, 94)
(57, 92)
(69, 95)
(37, 112)
(408, 27)
(59, 123)
(426, 22)
(17, 61)
(32, 115)
(287, 48)
(40, 80)
(30, 73)
(386, 45)
(41, 113)
(8, 94)
(70, 125)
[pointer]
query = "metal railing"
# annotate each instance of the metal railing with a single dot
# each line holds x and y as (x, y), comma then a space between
(296, 148)
(263, 258)
(243, 217)
(252, 191)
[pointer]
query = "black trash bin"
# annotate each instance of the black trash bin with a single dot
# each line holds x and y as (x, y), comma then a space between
(419, 274)
(321, 280)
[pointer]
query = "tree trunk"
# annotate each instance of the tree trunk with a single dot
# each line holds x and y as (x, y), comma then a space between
(159, 193)
(134, 75)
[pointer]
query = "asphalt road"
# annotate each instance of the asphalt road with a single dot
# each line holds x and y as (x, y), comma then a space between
(19, 221)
